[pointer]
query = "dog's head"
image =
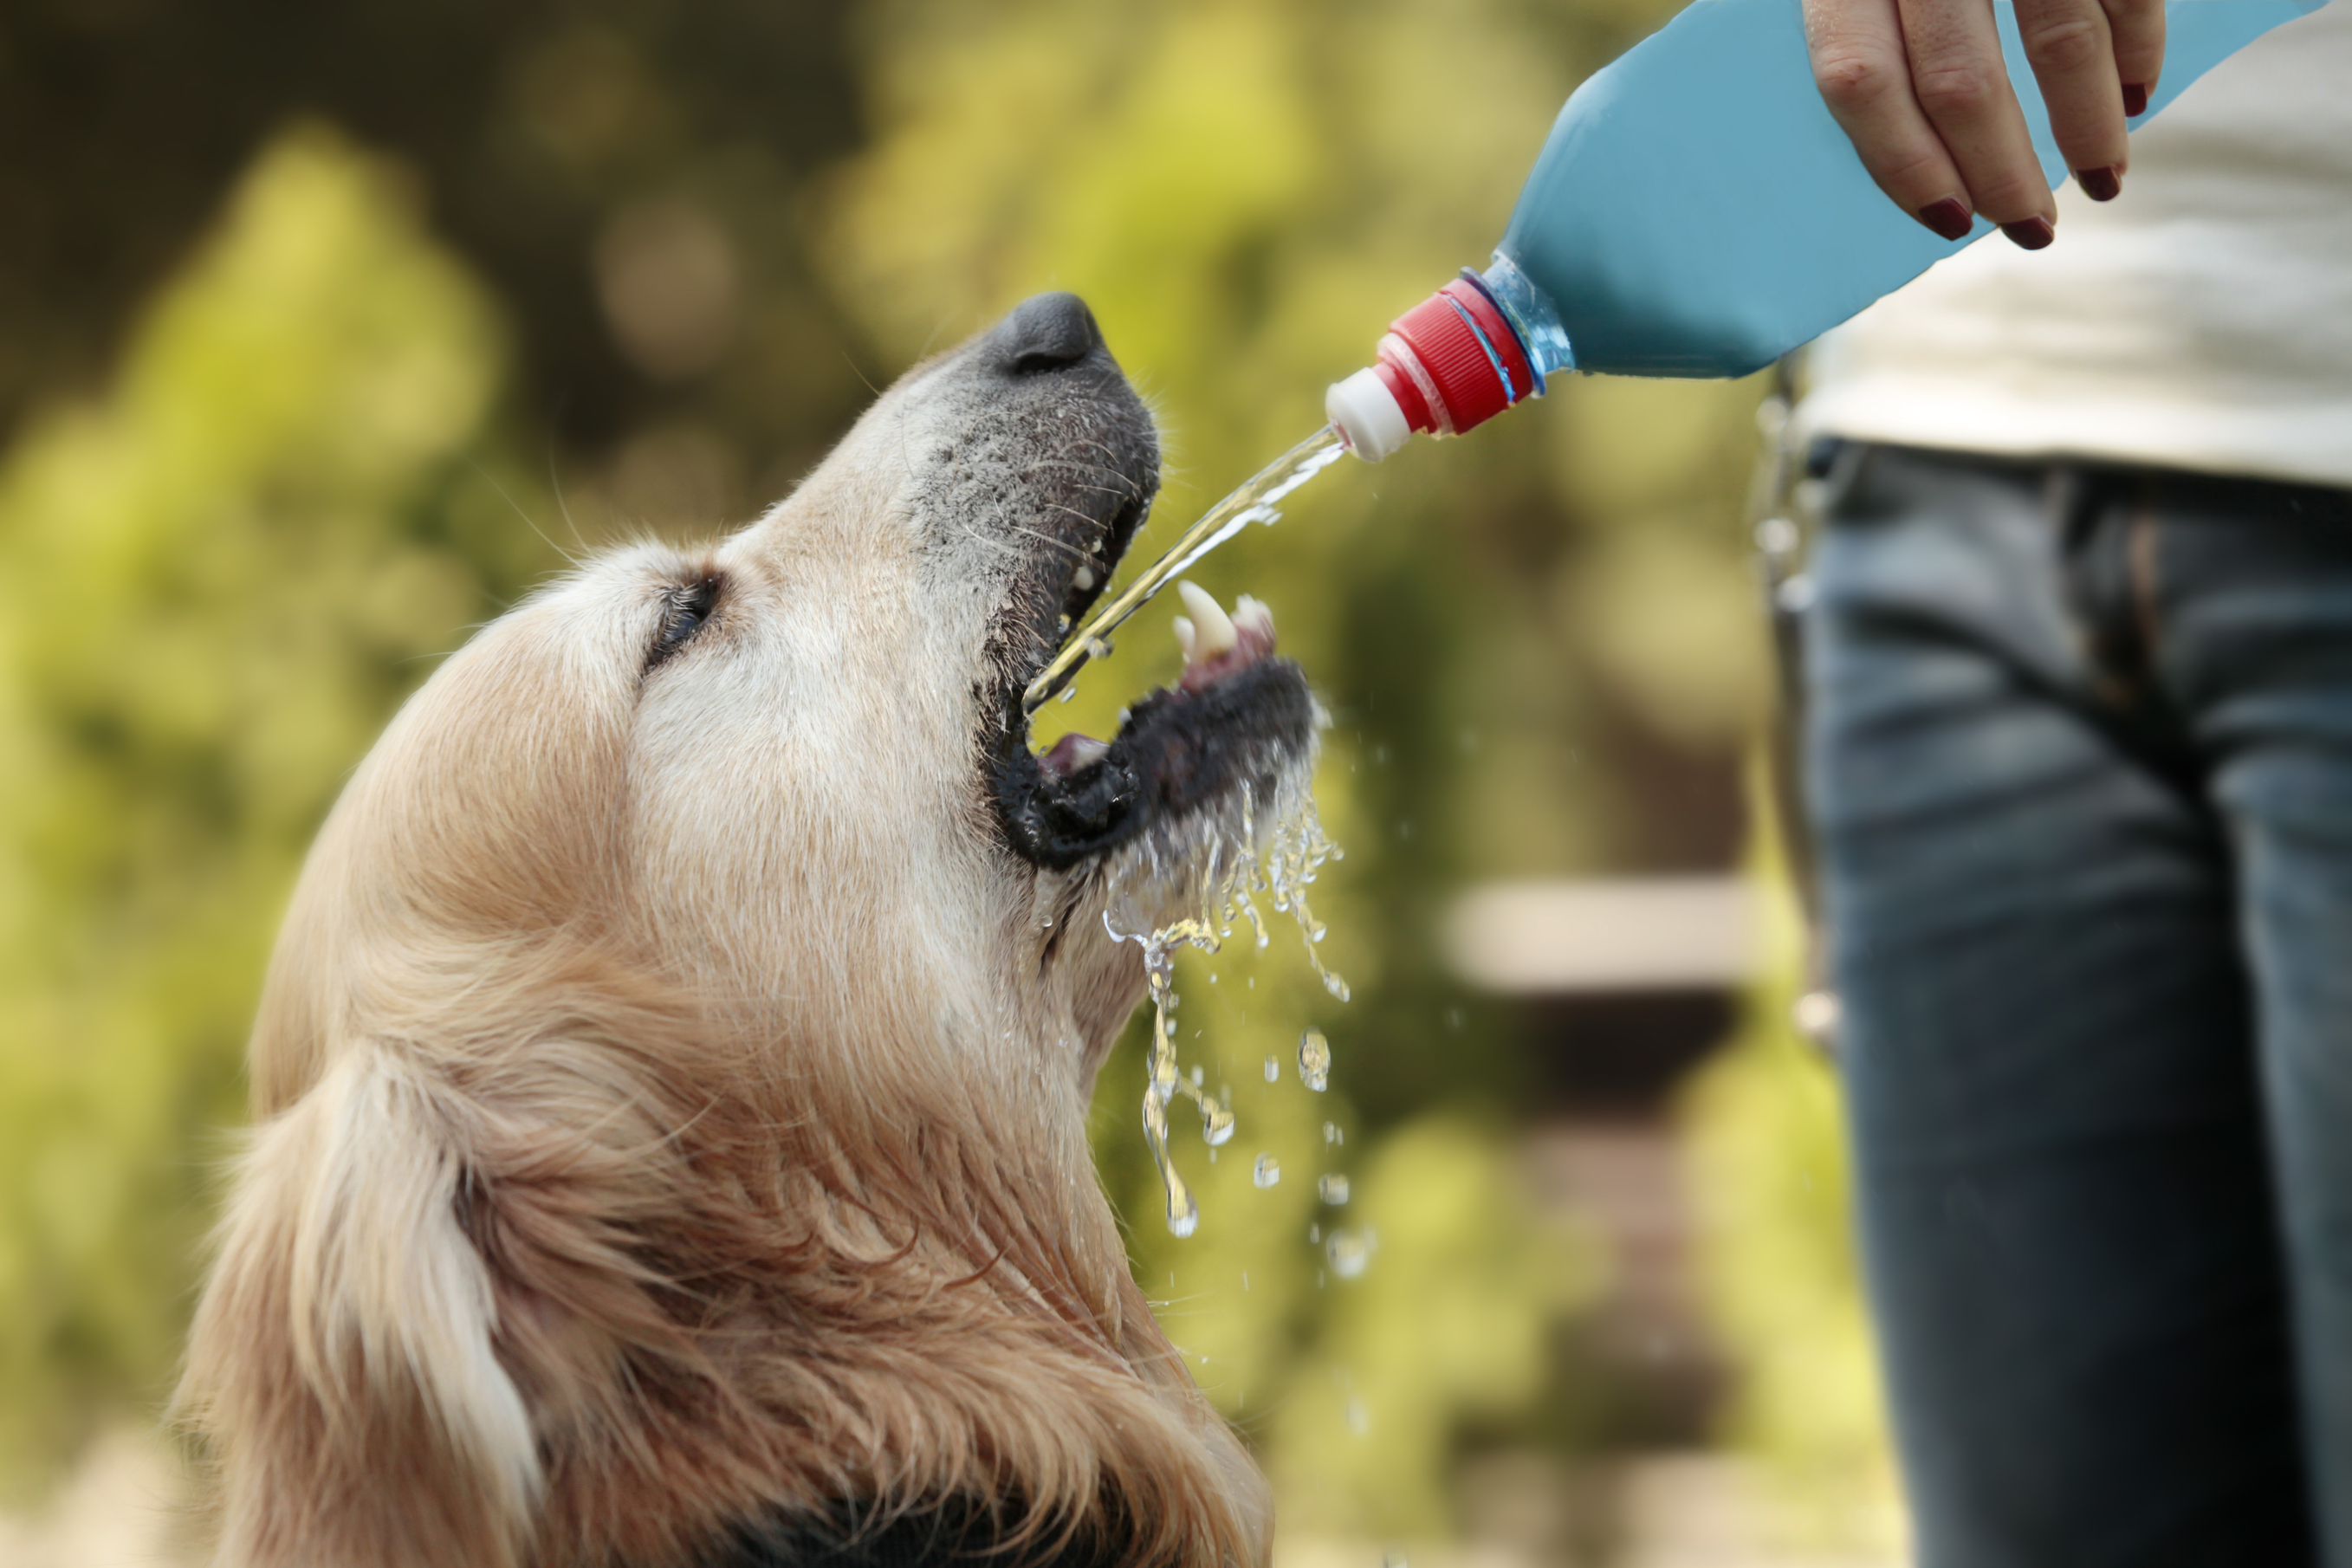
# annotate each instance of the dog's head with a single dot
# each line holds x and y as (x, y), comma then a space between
(709, 914)
(792, 769)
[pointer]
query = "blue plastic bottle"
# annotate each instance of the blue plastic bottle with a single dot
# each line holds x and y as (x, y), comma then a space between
(1696, 212)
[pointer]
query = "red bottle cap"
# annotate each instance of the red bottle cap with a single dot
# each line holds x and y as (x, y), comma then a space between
(1447, 364)
(1468, 353)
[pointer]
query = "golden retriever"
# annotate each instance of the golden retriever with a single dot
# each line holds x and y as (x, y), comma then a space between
(672, 1077)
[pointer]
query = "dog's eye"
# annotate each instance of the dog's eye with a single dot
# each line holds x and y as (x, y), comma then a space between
(684, 609)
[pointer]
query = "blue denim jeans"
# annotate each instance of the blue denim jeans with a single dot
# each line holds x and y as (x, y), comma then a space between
(2080, 747)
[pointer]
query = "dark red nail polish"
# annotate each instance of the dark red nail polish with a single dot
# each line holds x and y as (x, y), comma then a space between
(2134, 98)
(2100, 184)
(2030, 235)
(1948, 217)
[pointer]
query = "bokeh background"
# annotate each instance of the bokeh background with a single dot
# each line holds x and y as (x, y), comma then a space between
(327, 330)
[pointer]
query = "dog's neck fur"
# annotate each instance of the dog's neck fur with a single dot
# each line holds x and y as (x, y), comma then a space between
(807, 1289)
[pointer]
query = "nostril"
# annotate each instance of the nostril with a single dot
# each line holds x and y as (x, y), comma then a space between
(1046, 333)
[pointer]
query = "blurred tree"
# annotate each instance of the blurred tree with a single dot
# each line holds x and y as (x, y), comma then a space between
(560, 144)
(216, 582)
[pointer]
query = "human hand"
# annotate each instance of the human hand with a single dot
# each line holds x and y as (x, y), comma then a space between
(1920, 86)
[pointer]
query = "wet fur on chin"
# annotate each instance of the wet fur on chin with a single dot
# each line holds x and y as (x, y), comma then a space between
(666, 1124)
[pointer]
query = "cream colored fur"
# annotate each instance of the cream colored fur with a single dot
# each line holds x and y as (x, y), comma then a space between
(671, 1095)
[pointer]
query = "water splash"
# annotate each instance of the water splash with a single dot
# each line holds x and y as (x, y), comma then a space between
(1259, 500)
(1214, 874)
(1348, 1252)
(1315, 1060)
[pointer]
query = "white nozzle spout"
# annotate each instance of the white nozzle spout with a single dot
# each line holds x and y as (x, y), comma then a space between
(1367, 414)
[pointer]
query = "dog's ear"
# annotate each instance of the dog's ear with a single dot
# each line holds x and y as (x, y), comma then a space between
(343, 1361)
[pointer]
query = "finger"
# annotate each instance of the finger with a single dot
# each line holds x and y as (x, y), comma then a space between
(2074, 59)
(2137, 27)
(1960, 82)
(1865, 79)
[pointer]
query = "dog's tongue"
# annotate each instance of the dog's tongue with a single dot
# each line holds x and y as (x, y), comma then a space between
(1216, 645)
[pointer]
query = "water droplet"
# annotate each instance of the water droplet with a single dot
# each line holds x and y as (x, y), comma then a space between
(1273, 1070)
(1314, 1233)
(1216, 1125)
(1332, 1136)
(1067, 693)
(1315, 1060)
(1267, 1172)
(1197, 1071)
(1360, 1420)
(1333, 1189)
(1348, 1253)
(1184, 1222)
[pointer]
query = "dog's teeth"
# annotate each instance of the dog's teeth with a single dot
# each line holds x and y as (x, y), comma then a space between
(1086, 751)
(1085, 579)
(1251, 614)
(1185, 637)
(1212, 628)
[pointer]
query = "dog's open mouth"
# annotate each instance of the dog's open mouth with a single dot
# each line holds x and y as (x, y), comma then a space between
(1236, 727)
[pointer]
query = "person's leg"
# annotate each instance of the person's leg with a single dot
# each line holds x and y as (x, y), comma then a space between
(2255, 587)
(2062, 1182)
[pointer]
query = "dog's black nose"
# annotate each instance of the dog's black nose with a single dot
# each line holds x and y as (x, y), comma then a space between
(1045, 332)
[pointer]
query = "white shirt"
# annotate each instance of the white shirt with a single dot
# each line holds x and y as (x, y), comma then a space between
(2202, 319)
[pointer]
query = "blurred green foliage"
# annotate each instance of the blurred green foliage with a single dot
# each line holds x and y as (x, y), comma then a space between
(329, 444)
(216, 582)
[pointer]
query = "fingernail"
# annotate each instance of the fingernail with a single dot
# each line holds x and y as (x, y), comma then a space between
(2134, 98)
(2030, 235)
(2099, 185)
(1948, 217)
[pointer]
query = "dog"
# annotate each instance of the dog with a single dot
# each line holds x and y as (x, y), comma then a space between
(670, 1083)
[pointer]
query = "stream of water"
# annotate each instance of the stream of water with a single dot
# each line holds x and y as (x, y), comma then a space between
(1259, 500)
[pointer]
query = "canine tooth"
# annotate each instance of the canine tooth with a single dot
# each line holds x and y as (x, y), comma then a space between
(1085, 579)
(1186, 636)
(1086, 751)
(1212, 628)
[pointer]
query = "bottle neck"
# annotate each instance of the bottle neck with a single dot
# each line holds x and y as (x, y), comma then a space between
(1533, 318)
